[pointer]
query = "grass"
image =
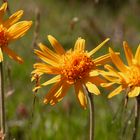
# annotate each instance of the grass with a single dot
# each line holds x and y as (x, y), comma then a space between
(66, 120)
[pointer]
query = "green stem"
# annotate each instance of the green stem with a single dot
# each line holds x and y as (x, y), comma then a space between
(2, 107)
(137, 115)
(91, 114)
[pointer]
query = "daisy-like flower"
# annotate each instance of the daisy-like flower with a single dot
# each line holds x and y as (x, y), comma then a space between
(127, 76)
(11, 30)
(73, 67)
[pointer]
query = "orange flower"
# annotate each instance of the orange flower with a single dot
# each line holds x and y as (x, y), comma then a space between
(11, 30)
(73, 67)
(128, 76)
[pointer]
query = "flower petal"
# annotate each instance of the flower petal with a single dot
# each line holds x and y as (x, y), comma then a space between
(117, 61)
(53, 80)
(13, 19)
(45, 58)
(50, 54)
(55, 89)
(18, 29)
(1, 55)
(60, 95)
(128, 53)
(98, 47)
(79, 45)
(92, 88)
(56, 45)
(137, 55)
(12, 55)
(3, 10)
(102, 59)
(44, 68)
(116, 91)
(57, 93)
(80, 94)
(134, 92)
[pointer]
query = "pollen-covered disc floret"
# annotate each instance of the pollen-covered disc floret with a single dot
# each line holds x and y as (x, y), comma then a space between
(76, 66)
(3, 37)
(133, 75)
(126, 76)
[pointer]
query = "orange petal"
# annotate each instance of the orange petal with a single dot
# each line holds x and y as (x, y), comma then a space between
(128, 53)
(98, 47)
(116, 91)
(13, 19)
(137, 55)
(96, 80)
(18, 29)
(102, 59)
(45, 58)
(79, 45)
(80, 94)
(3, 10)
(55, 89)
(134, 92)
(50, 54)
(92, 88)
(117, 61)
(1, 55)
(44, 68)
(53, 80)
(12, 55)
(60, 95)
(56, 45)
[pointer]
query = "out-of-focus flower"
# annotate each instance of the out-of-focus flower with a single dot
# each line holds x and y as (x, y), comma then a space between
(11, 30)
(127, 76)
(73, 67)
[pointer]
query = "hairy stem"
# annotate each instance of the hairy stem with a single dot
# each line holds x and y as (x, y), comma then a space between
(2, 107)
(137, 115)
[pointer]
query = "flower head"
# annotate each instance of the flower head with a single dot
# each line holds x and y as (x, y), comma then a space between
(73, 67)
(127, 76)
(11, 30)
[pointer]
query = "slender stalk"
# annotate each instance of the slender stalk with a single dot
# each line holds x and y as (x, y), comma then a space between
(91, 114)
(2, 107)
(137, 115)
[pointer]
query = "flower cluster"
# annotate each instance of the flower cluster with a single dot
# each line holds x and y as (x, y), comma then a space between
(75, 67)
(11, 30)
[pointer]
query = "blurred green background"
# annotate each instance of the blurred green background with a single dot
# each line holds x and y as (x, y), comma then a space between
(93, 20)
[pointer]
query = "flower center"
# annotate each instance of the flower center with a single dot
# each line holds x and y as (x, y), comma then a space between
(75, 66)
(3, 38)
(134, 76)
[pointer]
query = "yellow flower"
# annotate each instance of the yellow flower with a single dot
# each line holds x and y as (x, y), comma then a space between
(73, 67)
(11, 30)
(128, 76)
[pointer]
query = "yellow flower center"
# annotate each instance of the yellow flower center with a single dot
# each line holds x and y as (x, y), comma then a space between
(134, 76)
(3, 38)
(75, 66)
